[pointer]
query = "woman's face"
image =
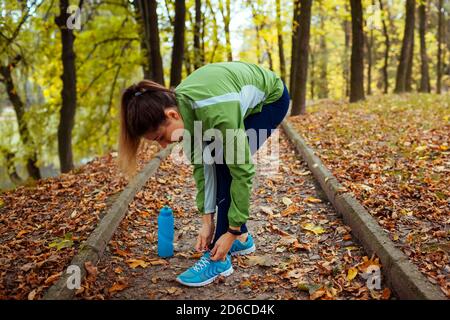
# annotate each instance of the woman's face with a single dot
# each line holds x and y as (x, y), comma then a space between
(170, 131)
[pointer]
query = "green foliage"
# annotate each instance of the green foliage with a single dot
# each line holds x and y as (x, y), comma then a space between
(61, 243)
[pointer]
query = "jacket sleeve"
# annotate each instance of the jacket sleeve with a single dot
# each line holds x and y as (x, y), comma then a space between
(204, 177)
(226, 118)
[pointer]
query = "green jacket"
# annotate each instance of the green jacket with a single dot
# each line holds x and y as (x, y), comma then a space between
(221, 95)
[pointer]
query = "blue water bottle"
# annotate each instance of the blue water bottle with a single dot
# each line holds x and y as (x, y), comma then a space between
(165, 232)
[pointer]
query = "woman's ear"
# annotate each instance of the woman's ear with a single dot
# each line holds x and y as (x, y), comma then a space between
(172, 114)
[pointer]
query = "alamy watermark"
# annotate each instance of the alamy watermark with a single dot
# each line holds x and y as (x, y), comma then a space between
(373, 276)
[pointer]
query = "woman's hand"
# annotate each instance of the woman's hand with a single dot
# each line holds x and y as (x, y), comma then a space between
(206, 233)
(222, 246)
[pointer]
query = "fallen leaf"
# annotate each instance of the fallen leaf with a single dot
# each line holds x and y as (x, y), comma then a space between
(52, 279)
(286, 201)
(265, 261)
(292, 209)
(27, 267)
(245, 284)
(312, 200)
(266, 210)
(313, 228)
(122, 253)
(352, 273)
(158, 262)
(318, 293)
(117, 287)
(134, 263)
(32, 294)
(21, 233)
(420, 148)
(386, 294)
(296, 273)
(174, 291)
(91, 269)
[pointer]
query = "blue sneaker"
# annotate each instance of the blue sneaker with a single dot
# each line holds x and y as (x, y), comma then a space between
(205, 271)
(241, 248)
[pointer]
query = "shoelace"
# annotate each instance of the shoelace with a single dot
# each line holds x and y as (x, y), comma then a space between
(203, 262)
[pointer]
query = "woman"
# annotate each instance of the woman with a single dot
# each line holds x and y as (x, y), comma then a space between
(220, 98)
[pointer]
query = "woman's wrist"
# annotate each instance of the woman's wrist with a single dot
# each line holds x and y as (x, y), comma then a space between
(208, 218)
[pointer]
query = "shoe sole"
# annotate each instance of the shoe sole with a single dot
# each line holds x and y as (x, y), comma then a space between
(225, 273)
(244, 252)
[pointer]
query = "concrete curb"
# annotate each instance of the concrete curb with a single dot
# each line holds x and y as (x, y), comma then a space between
(401, 275)
(92, 249)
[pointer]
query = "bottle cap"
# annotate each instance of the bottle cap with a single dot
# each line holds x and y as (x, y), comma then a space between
(166, 211)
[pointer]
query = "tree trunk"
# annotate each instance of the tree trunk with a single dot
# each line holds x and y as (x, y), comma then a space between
(145, 46)
(294, 50)
(198, 54)
(269, 53)
(369, 63)
(439, 53)
(405, 64)
(301, 75)
(357, 59)
(148, 12)
(280, 42)
(312, 78)
(346, 65)
(178, 43)
(16, 101)
(155, 51)
(387, 44)
(69, 90)
(323, 62)
(424, 74)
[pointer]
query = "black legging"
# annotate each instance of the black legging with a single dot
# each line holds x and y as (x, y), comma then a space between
(269, 118)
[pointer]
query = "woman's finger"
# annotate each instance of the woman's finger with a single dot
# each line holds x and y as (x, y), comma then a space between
(199, 246)
(213, 252)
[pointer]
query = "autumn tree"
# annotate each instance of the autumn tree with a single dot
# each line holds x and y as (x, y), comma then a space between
(11, 57)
